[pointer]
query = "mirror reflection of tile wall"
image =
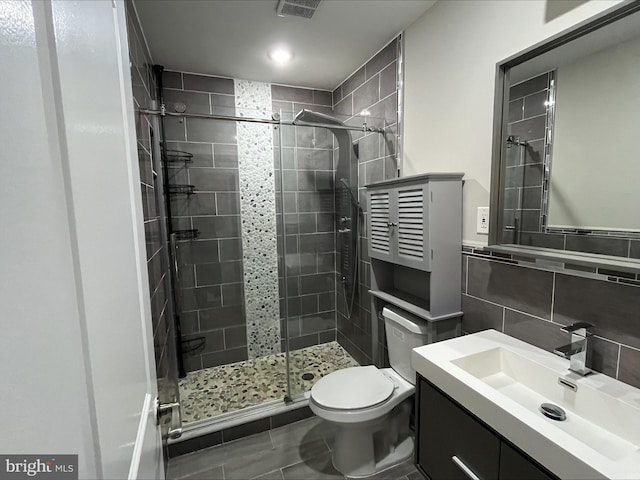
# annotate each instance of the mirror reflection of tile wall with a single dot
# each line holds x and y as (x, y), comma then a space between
(568, 169)
(525, 187)
(528, 163)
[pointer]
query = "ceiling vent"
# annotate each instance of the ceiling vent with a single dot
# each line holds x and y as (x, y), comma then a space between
(297, 8)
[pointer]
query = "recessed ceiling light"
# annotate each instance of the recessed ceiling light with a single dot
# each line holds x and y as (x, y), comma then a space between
(280, 55)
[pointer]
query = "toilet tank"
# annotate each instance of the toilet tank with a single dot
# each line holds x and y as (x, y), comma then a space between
(405, 332)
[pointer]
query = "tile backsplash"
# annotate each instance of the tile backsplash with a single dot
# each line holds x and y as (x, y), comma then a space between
(532, 304)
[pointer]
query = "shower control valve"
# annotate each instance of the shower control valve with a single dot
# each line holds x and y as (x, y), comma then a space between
(392, 224)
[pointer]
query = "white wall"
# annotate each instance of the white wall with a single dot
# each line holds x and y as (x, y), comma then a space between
(77, 366)
(451, 55)
(104, 188)
(595, 163)
(45, 379)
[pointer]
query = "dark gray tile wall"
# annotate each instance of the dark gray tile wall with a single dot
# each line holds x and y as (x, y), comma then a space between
(524, 176)
(533, 304)
(211, 274)
(308, 218)
(615, 243)
(162, 314)
(373, 87)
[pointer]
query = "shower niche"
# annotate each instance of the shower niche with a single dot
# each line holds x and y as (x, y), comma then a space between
(415, 227)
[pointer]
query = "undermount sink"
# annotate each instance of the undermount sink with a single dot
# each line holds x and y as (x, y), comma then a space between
(503, 381)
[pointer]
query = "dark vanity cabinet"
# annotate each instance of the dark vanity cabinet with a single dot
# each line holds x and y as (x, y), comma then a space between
(514, 464)
(453, 444)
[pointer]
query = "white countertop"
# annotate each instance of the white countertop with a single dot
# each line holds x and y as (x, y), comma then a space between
(610, 449)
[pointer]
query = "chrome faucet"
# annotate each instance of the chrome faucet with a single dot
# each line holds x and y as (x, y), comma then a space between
(579, 350)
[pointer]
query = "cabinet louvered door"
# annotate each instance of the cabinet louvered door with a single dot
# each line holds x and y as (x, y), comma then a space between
(411, 230)
(380, 230)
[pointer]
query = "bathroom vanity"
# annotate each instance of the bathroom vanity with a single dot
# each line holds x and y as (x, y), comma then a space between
(453, 443)
(478, 414)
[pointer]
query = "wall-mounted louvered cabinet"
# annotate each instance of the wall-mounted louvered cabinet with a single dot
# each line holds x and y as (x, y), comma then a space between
(415, 242)
(380, 224)
(402, 229)
(397, 225)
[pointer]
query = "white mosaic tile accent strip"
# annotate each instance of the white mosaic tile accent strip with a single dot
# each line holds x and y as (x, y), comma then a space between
(258, 214)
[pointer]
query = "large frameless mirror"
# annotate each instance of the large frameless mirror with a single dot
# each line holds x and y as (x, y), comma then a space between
(566, 162)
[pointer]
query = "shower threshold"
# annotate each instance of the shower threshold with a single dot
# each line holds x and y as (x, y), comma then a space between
(217, 392)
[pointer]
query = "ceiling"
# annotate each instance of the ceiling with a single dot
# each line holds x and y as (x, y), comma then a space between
(232, 37)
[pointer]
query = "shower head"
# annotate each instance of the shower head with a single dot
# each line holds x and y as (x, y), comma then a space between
(305, 116)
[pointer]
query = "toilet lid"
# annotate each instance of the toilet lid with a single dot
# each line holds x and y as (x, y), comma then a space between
(352, 388)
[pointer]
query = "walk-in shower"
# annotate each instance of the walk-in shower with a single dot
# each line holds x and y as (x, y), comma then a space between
(266, 228)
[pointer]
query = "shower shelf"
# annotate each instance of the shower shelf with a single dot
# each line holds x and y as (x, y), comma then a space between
(181, 189)
(191, 234)
(178, 156)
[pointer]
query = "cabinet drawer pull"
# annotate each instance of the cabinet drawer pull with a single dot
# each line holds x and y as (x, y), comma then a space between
(466, 470)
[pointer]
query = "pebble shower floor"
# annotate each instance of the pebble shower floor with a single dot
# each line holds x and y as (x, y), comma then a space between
(216, 390)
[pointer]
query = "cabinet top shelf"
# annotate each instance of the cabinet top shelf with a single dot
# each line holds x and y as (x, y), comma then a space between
(411, 304)
(424, 177)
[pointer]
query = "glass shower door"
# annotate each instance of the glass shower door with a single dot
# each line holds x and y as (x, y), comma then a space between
(306, 243)
(320, 223)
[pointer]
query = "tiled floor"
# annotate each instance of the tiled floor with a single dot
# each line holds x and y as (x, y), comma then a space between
(213, 391)
(298, 451)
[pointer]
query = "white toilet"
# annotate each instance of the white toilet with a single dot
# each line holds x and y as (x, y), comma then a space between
(370, 407)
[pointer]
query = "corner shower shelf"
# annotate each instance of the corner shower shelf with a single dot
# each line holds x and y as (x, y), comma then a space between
(190, 234)
(182, 189)
(178, 156)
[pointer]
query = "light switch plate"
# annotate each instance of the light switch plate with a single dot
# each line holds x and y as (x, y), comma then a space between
(482, 225)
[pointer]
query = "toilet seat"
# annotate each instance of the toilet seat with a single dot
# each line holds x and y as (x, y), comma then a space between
(352, 388)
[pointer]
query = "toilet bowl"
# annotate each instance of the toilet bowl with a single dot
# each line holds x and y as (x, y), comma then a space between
(368, 407)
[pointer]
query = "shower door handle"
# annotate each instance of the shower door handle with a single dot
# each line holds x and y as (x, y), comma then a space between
(175, 423)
